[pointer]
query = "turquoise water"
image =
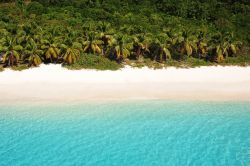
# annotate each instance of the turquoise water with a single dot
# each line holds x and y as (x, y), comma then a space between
(149, 133)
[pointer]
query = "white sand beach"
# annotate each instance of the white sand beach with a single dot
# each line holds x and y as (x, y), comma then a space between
(52, 83)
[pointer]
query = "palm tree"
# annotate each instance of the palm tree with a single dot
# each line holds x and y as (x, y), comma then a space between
(222, 46)
(218, 51)
(121, 47)
(10, 51)
(188, 45)
(105, 27)
(107, 42)
(106, 35)
(202, 47)
(89, 26)
(50, 45)
(202, 44)
(232, 44)
(141, 45)
(161, 48)
(72, 53)
(32, 53)
(92, 43)
(70, 47)
(174, 41)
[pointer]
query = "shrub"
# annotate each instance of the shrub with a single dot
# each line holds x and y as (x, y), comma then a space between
(1, 68)
(90, 61)
(35, 8)
(20, 67)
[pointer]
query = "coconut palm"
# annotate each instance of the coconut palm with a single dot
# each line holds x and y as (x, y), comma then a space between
(232, 45)
(174, 35)
(188, 45)
(141, 45)
(202, 48)
(10, 51)
(222, 46)
(161, 48)
(50, 45)
(121, 47)
(174, 41)
(92, 43)
(107, 42)
(106, 35)
(203, 37)
(89, 26)
(71, 48)
(105, 27)
(32, 53)
(72, 53)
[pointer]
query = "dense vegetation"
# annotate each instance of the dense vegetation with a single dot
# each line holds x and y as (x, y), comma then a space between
(107, 33)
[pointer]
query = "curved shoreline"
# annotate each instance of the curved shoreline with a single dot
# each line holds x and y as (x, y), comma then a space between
(52, 83)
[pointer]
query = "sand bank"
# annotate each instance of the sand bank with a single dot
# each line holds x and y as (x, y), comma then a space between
(52, 83)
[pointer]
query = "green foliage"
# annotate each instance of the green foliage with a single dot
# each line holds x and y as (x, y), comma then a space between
(90, 61)
(20, 67)
(179, 32)
(32, 54)
(9, 48)
(35, 8)
(1, 68)
(20, 4)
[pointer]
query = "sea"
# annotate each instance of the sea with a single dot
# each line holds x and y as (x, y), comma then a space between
(126, 133)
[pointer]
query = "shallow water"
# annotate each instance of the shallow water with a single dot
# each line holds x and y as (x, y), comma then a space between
(143, 133)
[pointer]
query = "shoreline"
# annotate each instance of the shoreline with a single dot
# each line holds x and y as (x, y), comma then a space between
(54, 84)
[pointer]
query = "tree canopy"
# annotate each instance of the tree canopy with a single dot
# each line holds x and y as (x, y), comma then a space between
(60, 31)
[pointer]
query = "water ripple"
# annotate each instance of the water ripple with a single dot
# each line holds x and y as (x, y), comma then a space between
(143, 133)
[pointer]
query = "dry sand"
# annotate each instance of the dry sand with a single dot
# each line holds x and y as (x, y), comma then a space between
(52, 83)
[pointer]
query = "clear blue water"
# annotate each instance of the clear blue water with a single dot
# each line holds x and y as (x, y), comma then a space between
(149, 133)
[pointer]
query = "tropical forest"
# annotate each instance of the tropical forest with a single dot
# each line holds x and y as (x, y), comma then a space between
(108, 34)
